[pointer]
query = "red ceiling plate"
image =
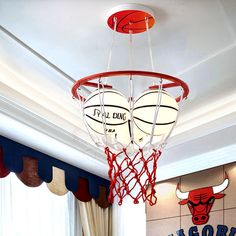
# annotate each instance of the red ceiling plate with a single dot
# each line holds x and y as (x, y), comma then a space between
(131, 18)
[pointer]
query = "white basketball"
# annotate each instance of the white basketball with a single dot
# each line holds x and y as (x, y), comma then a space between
(109, 109)
(144, 112)
(140, 138)
(143, 139)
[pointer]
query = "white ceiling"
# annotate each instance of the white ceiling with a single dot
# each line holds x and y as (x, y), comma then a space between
(194, 40)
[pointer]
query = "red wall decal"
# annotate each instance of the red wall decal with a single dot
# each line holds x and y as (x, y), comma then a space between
(200, 201)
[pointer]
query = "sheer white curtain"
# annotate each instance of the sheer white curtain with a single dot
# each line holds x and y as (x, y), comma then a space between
(28, 211)
(128, 219)
(74, 216)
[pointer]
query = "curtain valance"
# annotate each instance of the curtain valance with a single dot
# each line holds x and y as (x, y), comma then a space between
(33, 167)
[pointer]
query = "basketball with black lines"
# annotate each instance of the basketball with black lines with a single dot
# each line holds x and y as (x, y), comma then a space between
(106, 111)
(145, 109)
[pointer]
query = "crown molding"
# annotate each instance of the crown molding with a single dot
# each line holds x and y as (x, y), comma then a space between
(29, 129)
(193, 164)
(207, 119)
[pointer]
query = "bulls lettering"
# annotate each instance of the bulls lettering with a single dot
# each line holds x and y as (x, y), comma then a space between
(208, 230)
(222, 230)
(193, 231)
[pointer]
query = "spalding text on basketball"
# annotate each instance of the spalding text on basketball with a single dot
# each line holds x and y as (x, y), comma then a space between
(114, 115)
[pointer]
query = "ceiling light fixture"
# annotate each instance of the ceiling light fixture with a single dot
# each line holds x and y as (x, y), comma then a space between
(132, 129)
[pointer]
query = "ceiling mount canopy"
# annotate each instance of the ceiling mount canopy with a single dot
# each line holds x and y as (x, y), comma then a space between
(130, 18)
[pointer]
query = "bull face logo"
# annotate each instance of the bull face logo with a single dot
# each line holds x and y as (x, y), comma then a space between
(200, 201)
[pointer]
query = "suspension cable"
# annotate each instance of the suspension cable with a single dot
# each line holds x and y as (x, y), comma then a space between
(130, 49)
(149, 44)
(112, 44)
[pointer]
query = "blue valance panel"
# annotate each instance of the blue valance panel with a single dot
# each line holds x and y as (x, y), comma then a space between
(33, 167)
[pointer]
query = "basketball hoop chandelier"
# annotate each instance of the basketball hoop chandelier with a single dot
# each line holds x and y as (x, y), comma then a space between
(132, 129)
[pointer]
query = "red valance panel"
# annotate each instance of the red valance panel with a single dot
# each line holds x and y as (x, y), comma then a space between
(82, 192)
(102, 199)
(33, 168)
(29, 175)
(3, 170)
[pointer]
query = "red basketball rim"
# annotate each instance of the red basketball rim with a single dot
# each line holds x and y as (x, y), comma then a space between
(175, 82)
